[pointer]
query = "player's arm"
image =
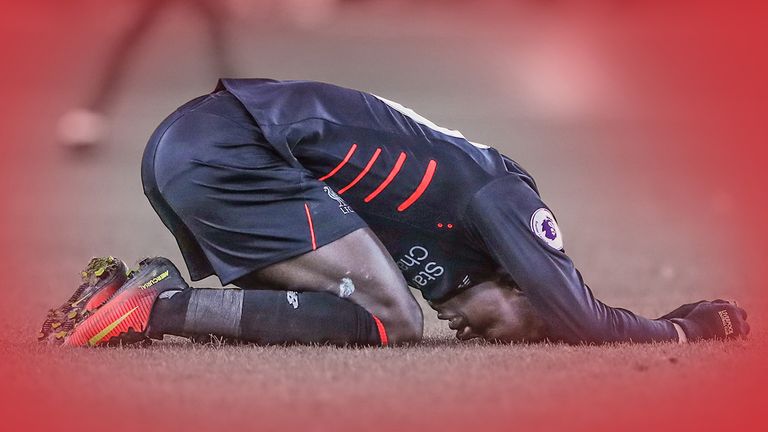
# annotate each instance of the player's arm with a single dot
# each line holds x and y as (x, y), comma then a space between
(501, 217)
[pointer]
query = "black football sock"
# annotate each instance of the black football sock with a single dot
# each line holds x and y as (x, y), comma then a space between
(264, 317)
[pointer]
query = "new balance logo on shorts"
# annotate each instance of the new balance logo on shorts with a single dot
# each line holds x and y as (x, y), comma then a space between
(343, 206)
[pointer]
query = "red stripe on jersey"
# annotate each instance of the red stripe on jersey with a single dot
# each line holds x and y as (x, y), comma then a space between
(311, 227)
(382, 331)
(425, 181)
(341, 164)
(363, 172)
(396, 169)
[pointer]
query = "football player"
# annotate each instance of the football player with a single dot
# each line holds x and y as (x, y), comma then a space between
(323, 205)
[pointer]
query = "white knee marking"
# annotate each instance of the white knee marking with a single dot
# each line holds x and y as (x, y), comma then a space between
(293, 298)
(346, 287)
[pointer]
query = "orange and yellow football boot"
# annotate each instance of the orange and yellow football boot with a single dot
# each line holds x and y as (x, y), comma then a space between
(102, 277)
(124, 318)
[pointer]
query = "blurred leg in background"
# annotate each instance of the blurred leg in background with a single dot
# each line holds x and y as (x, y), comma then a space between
(85, 127)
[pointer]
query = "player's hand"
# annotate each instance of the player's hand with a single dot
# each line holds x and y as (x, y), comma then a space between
(717, 319)
(682, 311)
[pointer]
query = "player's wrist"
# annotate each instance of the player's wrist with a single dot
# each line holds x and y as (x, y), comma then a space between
(681, 336)
(693, 330)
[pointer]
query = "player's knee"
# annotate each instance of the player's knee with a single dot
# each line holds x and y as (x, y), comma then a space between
(413, 329)
(389, 299)
(403, 321)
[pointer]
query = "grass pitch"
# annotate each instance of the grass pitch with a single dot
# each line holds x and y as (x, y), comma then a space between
(439, 385)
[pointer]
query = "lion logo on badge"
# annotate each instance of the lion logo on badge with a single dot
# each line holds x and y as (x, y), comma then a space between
(545, 227)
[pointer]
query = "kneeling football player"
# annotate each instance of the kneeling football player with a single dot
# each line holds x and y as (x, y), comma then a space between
(322, 205)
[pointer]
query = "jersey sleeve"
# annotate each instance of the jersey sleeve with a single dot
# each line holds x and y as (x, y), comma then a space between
(511, 222)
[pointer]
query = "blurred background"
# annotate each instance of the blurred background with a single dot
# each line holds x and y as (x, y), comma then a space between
(644, 123)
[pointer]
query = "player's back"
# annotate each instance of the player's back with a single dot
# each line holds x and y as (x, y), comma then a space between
(409, 179)
(373, 151)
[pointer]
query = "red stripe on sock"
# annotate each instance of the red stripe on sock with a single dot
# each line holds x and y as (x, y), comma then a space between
(388, 180)
(363, 172)
(382, 331)
(311, 226)
(341, 164)
(425, 181)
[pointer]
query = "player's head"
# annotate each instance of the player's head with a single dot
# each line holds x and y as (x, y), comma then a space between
(494, 310)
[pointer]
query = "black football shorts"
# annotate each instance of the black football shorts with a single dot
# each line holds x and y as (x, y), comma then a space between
(233, 202)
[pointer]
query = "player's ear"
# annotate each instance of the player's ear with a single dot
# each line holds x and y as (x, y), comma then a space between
(532, 327)
(504, 279)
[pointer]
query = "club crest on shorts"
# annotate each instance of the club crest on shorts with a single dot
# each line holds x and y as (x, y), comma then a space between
(543, 224)
(343, 206)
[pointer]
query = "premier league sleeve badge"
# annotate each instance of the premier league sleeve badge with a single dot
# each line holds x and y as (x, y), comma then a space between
(545, 227)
